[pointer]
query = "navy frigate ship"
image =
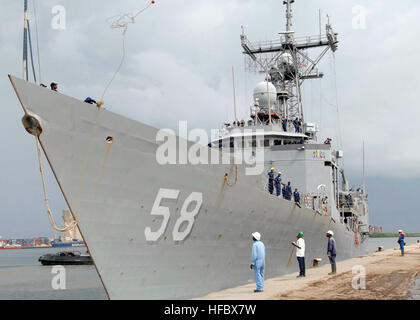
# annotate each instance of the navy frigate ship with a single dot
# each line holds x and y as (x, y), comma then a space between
(183, 230)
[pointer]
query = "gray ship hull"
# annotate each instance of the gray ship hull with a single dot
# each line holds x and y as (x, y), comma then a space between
(111, 190)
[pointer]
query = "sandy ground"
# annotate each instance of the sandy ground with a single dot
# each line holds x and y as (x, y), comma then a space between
(389, 276)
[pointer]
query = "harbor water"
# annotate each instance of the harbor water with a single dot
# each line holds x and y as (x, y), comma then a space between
(23, 277)
(388, 243)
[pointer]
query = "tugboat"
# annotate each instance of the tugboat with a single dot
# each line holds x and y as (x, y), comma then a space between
(66, 258)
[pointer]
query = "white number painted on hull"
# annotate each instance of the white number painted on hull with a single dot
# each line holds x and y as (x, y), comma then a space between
(158, 210)
(186, 216)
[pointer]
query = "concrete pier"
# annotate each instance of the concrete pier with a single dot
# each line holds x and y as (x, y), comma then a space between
(388, 276)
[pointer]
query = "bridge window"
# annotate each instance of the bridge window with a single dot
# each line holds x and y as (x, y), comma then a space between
(277, 142)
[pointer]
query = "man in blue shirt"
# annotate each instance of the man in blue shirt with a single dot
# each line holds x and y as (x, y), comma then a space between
(401, 241)
(284, 191)
(332, 252)
(258, 261)
(289, 191)
(271, 181)
(277, 184)
(284, 124)
(296, 124)
(296, 197)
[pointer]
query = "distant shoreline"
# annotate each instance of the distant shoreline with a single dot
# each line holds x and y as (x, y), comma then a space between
(392, 235)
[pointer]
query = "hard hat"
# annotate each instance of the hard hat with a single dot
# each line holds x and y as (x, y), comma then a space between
(256, 235)
(279, 172)
(272, 169)
(330, 232)
(300, 234)
(400, 231)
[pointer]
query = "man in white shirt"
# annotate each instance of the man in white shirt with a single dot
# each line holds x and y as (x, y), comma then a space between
(300, 253)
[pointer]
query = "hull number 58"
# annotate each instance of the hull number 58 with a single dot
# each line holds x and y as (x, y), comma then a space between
(186, 216)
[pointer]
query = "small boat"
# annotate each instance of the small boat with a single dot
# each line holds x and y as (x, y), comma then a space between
(66, 258)
(57, 244)
(8, 247)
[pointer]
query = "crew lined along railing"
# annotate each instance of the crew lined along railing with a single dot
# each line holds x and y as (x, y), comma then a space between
(308, 201)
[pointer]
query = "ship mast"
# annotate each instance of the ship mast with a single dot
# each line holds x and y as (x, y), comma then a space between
(288, 63)
(28, 41)
(25, 41)
(289, 14)
(364, 178)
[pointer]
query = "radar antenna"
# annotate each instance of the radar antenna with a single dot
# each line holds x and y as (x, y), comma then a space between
(288, 62)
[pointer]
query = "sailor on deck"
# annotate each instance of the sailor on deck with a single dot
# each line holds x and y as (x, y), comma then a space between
(271, 181)
(296, 124)
(296, 197)
(284, 191)
(258, 261)
(90, 100)
(289, 191)
(277, 184)
(284, 124)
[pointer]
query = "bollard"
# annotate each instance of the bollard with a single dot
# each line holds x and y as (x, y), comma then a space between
(316, 262)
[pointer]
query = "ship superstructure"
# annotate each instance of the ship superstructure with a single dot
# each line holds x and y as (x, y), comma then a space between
(277, 124)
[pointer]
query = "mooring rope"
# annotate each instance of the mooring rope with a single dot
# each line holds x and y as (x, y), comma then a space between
(226, 178)
(47, 204)
(121, 21)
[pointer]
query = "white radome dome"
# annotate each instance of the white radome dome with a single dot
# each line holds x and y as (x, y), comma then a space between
(286, 58)
(261, 93)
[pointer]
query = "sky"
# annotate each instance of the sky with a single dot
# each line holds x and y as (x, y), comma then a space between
(178, 60)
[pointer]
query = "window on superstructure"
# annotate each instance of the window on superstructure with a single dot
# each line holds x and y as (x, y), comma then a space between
(277, 142)
(266, 142)
(242, 142)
